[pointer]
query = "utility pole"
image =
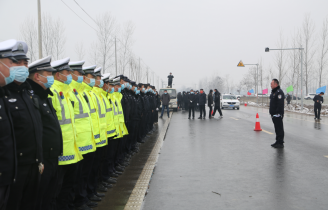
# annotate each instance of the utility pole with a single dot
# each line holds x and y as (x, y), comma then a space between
(115, 57)
(147, 75)
(39, 29)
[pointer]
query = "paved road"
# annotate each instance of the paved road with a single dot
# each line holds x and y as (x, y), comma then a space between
(224, 164)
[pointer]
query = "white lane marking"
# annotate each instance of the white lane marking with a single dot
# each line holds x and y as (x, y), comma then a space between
(234, 118)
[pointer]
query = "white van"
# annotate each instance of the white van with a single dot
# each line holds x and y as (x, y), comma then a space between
(173, 97)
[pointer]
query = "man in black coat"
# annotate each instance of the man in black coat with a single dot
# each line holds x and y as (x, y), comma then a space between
(192, 102)
(41, 79)
(24, 109)
(165, 98)
(318, 100)
(202, 102)
(276, 111)
(8, 158)
(170, 77)
(210, 103)
(288, 99)
(217, 101)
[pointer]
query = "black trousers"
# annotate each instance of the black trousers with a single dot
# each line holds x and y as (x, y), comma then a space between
(82, 176)
(48, 185)
(94, 174)
(66, 177)
(112, 150)
(279, 129)
(4, 195)
(192, 108)
(23, 193)
(210, 113)
(217, 108)
(317, 110)
(202, 110)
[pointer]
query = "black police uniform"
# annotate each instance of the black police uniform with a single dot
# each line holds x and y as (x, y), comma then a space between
(24, 109)
(192, 101)
(170, 80)
(202, 102)
(277, 108)
(217, 103)
(8, 159)
(52, 144)
(317, 105)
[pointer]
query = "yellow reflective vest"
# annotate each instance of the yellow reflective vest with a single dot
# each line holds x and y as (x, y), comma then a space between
(119, 97)
(111, 129)
(112, 100)
(91, 101)
(65, 113)
(83, 123)
(101, 110)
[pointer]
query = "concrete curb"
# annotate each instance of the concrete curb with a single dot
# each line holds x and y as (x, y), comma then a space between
(140, 189)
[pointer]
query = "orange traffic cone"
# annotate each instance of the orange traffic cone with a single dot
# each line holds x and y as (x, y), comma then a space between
(257, 124)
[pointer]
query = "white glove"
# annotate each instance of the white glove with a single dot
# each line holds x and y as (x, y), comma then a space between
(190, 101)
(276, 115)
(205, 104)
(156, 109)
(197, 104)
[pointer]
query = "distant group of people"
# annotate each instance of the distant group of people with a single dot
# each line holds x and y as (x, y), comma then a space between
(198, 100)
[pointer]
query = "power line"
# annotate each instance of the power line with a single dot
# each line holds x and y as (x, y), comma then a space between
(78, 16)
(85, 12)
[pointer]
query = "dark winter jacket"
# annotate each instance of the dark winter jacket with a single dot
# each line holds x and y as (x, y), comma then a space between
(277, 101)
(192, 100)
(210, 99)
(202, 99)
(217, 97)
(165, 98)
(318, 98)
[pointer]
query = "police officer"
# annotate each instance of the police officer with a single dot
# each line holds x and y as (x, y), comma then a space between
(202, 102)
(41, 80)
(170, 78)
(24, 109)
(318, 100)
(8, 158)
(192, 102)
(216, 98)
(277, 112)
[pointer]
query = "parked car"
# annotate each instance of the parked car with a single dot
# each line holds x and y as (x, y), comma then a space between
(309, 96)
(229, 101)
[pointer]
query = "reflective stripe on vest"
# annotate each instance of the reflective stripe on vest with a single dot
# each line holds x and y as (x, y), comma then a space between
(81, 115)
(112, 131)
(115, 112)
(64, 121)
(66, 158)
(99, 109)
(91, 110)
(107, 110)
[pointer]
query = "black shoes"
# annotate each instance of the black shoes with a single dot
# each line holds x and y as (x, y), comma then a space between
(193, 117)
(101, 188)
(118, 168)
(92, 204)
(84, 207)
(199, 118)
(110, 181)
(100, 195)
(204, 118)
(188, 118)
(160, 117)
(106, 185)
(94, 198)
(276, 145)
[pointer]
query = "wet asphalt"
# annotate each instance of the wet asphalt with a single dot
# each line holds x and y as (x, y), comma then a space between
(224, 164)
(117, 197)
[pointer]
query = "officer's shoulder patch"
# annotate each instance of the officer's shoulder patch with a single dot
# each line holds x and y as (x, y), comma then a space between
(279, 96)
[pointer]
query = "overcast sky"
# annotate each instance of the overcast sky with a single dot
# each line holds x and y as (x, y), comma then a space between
(192, 39)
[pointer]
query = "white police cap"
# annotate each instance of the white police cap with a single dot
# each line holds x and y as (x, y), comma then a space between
(61, 65)
(41, 65)
(105, 77)
(77, 66)
(6, 48)
(19, 51)
(90, 70)
(98, 71)
(114, 81)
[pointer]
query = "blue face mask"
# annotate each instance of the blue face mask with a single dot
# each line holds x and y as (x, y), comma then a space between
(92, 82)
(50, 81)
(165, 93)
(21, 73)
(11, 77)
(129, 86)
(119, 90)
(79, 79)
(122, 86)
(138, 92)
(68, 80)
(143, 89)
(112, 90)
(135, 89)
(101, 84)
(192, 93)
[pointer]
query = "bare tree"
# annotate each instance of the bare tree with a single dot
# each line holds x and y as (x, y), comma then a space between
(125, 42)
(94, 54)
(47, 35)
(281, 59)
(29, 34)
(308, 41)
(105, 34)
(59, 38)
(322, 61)
(79, 50)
